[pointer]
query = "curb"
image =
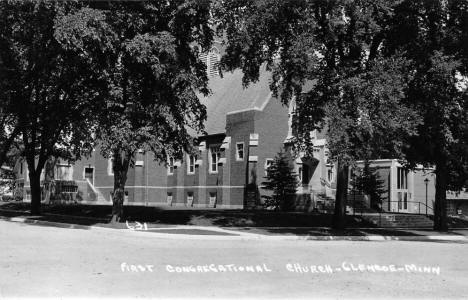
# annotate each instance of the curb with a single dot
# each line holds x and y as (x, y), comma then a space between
(56, 215)
(48, 223)
(236, 235)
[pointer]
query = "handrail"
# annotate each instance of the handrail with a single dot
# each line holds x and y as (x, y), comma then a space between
(380, 211)
(100, 196)
(422, 207)
(325, 182)
(409, 202)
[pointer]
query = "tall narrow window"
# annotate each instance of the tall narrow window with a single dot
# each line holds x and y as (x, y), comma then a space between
(211, 60)
(214, 155)
(402, 185)
(110, 166)
(239, 151)
(268, 163)
(191, 159)
(330, 174)
(170, 166)
(402, 178)
(305, 174)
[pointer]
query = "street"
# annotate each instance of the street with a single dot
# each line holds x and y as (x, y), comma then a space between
(42, 261)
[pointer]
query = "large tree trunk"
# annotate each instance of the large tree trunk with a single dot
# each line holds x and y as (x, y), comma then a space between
(440, 205)
(120, 167)
(35, 181)
(35, 184)
(339, 216)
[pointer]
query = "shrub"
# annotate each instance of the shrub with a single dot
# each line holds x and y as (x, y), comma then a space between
(282, 181)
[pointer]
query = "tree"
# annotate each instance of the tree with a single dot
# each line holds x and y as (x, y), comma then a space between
(282, 181)
(433, 35)
(9, 127)
(367, 182)
(46, 90)
(147, 55)
(358, 93)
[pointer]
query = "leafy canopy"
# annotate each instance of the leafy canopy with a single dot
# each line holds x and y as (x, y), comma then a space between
(47, 92)
(328, 56)
(149, 70)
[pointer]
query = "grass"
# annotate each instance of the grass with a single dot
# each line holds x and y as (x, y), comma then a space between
(276, 222)
(222, 218)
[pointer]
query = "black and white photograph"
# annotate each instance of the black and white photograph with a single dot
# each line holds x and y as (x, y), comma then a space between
(234, 149)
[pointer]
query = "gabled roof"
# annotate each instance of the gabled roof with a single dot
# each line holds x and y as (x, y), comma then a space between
(228, 95)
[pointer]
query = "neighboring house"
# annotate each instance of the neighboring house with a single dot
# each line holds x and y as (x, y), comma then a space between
(6, 183)
(457, 203)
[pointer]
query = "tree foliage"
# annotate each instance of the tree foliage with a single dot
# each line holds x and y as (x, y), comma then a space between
(46, 90)
(282, 182)
(146, 57)
(433, 36)
(366, 181)
(358, 92)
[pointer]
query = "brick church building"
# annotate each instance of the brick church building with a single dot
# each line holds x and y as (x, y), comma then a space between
(246, 128)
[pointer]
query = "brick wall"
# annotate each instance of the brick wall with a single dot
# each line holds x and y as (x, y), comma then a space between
(239, 126)
(271, 124)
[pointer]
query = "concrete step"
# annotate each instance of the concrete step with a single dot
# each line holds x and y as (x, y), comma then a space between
(399, 220)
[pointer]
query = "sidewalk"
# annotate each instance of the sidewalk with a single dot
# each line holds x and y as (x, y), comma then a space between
(240, 233)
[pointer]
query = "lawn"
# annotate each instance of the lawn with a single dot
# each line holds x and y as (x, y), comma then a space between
(161, 217)
(199, 217)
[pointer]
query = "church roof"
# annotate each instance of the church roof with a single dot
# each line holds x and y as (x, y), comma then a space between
(228, 95)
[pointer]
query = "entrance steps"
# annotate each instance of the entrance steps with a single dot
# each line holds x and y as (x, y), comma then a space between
(389, 220)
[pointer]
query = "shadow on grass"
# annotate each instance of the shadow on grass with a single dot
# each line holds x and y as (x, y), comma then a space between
(218, 217)
(63, 216)
(94, 214)
(331, 232)
(266, 222)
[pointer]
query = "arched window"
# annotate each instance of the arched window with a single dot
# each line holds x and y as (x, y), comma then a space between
(291, 115)
(211, 60)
